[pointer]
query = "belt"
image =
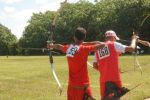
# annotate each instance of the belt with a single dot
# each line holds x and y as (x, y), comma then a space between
(84, 87)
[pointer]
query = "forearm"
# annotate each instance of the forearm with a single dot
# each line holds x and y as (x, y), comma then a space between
(132, 47)
(146, 43)
(58, 46)
(55, 46)
(100, 45)
(133, 43)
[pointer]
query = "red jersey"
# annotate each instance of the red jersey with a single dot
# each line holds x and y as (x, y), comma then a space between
(77, 56)
(107, 58)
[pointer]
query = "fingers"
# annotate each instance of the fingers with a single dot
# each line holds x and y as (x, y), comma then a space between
(50, 46)
(95, 65)
(135, 36)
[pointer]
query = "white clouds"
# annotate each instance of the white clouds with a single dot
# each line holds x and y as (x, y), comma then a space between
(19, 21)
(9, 10)
(44, 5)
(52, 7)
(16, 19)
(10, 1)
(41, 2)
(23, 14)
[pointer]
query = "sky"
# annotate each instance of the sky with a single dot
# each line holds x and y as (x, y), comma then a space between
(15, 14)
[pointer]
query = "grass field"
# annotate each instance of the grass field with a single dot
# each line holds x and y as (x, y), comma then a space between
(30, 78)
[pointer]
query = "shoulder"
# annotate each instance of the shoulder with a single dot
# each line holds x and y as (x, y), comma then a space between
(119, 44)
(119, 47)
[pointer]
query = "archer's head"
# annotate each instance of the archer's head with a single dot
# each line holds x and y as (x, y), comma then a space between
(79, 35)
(111, 36)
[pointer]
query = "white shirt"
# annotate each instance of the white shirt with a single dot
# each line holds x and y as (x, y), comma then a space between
(120, 47)
(72, 50)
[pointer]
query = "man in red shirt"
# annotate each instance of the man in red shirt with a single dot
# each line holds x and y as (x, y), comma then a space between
(77, 55)
(106, 62)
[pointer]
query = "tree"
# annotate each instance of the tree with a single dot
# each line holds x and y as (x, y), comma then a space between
(36, 33)
(122, 16)
(7, 41)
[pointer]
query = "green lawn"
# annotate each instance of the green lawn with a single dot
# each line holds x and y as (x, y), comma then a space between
(30, 78)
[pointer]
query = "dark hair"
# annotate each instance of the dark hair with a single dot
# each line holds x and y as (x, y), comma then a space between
(80, 33)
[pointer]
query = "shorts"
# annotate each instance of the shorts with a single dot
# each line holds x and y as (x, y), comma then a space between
(102, 87)
(77, 92)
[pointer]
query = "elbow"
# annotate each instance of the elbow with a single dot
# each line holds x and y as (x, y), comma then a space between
(132, 50)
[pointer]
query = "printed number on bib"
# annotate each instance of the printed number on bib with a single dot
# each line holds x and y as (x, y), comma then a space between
(104, 52)
(72, 50)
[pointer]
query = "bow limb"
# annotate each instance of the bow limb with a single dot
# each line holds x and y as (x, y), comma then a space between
(136, 62)
(58, 11)
(52, 68)
(136, 59)
(50, 41)
(54, 73)
(89, 64)
(143, 21)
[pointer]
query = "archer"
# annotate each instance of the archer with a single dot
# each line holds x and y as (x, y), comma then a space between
(77, 54)
(106, 62)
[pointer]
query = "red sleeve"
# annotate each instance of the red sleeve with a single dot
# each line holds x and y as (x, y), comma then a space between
(64, 48)
(89, 48)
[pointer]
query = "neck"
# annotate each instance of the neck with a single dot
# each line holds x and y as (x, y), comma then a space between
(113, 40)
(109, 40)
(78, 42)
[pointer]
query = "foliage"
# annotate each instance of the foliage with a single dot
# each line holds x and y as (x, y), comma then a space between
(71, 17)
(36, 33)
(122, 16)
(8, 42)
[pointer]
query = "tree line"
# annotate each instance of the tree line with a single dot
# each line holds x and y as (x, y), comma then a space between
(122, 16)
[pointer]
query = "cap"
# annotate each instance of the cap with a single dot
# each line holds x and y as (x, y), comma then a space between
(111, 33)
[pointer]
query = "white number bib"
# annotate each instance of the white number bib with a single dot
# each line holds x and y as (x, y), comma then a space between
(104, 52)
(72, 50)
